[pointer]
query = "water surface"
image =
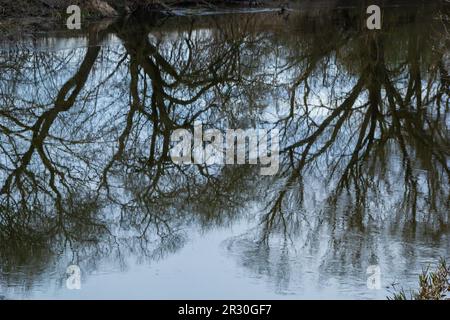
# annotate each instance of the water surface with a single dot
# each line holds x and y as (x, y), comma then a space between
(86, 177)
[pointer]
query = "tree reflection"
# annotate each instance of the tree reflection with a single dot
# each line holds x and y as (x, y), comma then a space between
(85, 138)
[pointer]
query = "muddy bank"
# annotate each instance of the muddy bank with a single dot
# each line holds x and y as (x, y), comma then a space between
(29, 17)
(113, 8)
(25, 17)
(57, 8)
(32, 16)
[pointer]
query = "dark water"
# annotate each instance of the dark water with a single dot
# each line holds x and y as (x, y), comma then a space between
(86, 177)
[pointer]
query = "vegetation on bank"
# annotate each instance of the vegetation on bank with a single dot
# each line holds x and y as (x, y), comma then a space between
(433, 285)
(55, 8)
(112, 8)
(101, 8)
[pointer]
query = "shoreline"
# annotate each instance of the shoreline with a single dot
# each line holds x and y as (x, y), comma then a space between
(12, 27)
(98, 9)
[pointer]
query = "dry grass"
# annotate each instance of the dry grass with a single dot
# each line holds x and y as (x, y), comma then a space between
(432, 285)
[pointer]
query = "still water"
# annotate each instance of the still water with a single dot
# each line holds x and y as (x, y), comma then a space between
(86, 177)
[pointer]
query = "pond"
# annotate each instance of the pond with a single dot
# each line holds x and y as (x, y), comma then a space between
(87, 178)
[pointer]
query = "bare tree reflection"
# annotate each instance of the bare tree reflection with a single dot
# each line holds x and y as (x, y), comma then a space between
(85, 139)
